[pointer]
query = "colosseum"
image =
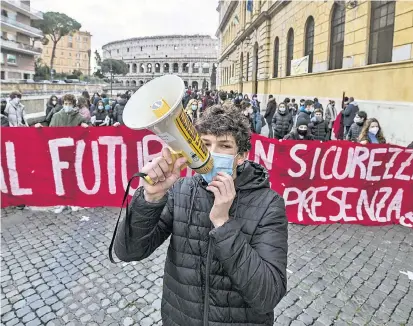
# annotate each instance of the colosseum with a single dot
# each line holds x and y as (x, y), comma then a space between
(192, 57)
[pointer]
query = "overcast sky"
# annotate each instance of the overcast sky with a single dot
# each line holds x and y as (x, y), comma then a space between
(111, 20)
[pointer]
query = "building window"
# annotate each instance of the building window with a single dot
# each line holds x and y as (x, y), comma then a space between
(141, 48)
(2, 59)
(157, 67)
(185, 67)
(381, 31)
(195, 68)
(157, 47)
(11, 59)
(309, 42)
(85, 39)
(248, 67)
(149, 68)
(134, 68)
(142, 68)
(205, 68)
(290, 51)
(70, 38)
(338, 22)
(175, 67)
(166, 67)
(276, 56)
(127, 49)
(175, 47)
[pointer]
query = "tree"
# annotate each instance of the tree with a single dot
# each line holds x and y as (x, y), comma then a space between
(118, 66)
(41, 70)
(98, 60)
(55, 25)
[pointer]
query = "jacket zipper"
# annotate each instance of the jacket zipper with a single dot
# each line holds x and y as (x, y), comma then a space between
(206, 299)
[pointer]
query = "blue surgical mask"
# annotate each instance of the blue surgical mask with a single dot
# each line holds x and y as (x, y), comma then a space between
(222, 163)
(67, 108)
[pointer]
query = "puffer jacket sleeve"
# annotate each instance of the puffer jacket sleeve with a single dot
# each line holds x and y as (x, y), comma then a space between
(257, 269)
(145, 227)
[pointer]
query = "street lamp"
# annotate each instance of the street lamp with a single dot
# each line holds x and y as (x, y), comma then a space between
(111, 71)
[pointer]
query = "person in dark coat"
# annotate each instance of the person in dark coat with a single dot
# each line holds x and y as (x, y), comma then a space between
(306, 113)
(318, 105)
(355, 129)
(282, 122)
(227, 257)
(301, 132)
(99, 117)
(269, 114)
(4, 120)
(349, 114)
(118, 111)
(319, 126)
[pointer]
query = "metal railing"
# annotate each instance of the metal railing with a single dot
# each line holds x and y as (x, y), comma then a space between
(19, 46)
(26, 27)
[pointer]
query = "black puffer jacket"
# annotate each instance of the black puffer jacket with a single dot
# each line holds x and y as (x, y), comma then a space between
(319, 129)
(282, 124)
(234, 274)
(118, 111)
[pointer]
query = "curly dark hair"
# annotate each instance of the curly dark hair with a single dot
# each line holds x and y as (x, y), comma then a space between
(221, 120)
(69, 97)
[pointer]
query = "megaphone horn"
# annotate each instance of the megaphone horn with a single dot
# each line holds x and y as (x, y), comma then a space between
(157, 106)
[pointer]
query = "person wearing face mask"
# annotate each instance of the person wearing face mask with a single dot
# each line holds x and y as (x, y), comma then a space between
(98, 118)
(84, 111)
(246, 98)
(192, 107)
(308, 110)
(68, 116)
(118, 111)
(255, 103)
(355, 129)
(248, 112)
(282, 122)
(301, 132)
(318, 126)
(15, 111)
(228, 230)
(349, 114)
(330, 115)
(371, 133)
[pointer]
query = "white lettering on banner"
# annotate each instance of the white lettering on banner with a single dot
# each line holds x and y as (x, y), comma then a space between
(315, 159)
(3, 182)
(372, 163)
(298, 160)
(403, 219)
(323, 164)
(336, 162)
(260, 154)
(58, 165)
(111, 142)
(145, 142)
(306, 201)
(124, 168)
(80, 149)
(404, 165)
(13, 175)
(396, 151)
(361, 154)
(342, 215)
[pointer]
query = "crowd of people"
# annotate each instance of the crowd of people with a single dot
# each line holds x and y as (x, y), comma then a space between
(306, 120)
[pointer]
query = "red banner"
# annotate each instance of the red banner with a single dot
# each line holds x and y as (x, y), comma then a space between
(332, 182)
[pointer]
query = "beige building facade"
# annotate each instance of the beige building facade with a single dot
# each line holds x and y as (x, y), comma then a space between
(307, 49)
(73, 52)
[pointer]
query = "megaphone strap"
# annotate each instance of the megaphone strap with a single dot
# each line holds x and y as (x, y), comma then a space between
(125, 199)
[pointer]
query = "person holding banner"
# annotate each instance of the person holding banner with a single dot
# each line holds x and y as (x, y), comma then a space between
(227, 257)
(301, 132)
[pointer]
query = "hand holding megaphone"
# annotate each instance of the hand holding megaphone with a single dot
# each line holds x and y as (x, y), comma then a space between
(163, 172)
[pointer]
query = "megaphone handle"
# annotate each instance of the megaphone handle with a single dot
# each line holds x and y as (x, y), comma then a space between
(174, 156)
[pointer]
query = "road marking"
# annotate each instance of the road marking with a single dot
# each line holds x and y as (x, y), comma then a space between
(84, 218)
(409, 274)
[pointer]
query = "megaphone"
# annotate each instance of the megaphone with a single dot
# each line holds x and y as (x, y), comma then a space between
(157, 106)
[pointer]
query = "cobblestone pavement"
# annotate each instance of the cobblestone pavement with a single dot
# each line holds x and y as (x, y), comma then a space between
(55, 271)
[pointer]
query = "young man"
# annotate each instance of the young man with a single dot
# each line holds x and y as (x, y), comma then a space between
(301, 132)
(355, 128)
(349, 114)
(319, 126)
(306, 113)
(15, 111)
(68, 116)
(226, 262)
(269, 114)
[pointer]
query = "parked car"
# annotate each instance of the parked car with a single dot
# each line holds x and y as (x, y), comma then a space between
(58, 82)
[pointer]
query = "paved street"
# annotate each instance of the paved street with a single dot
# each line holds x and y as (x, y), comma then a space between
(55, 271)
